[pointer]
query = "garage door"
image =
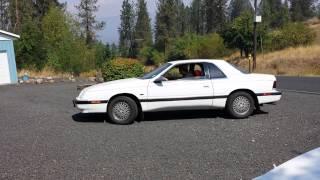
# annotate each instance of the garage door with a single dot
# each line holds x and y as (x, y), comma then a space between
(4, 69)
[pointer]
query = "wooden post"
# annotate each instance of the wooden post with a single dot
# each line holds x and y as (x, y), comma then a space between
(255, 37)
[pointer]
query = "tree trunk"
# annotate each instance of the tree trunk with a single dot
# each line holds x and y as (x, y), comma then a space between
(17, 23)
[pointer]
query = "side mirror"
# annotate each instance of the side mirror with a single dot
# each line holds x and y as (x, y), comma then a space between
(160, 79)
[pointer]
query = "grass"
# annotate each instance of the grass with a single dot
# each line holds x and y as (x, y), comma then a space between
(300, 61)
(47, 72)
(314, 24)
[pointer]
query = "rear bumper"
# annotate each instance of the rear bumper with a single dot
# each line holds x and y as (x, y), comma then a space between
(91, 106)
(272, 97)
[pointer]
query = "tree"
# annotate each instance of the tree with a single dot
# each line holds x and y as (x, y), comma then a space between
(194, 46)
(126, 29)
(142, 30)
(65, 51)
(114, 51)
(181, 17)
(197, 18)
(166, 24)
(20, 12)
(236, 7)
(301, 9)
(215, 15)
(42, 6)
(239, 33)
(187, 20)
(275, 13)
(87, 10)
(4, 14)
(29, 48)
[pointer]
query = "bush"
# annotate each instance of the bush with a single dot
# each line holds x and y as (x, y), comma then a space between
(151, 56)
(290, 35)
(194, 46)
(211, 46)
(121, 68)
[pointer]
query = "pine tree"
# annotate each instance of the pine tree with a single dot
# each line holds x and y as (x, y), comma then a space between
(142, 30)
(195, 16)
(166, 24)
(275, 13)
(42, 7)
(181, 18)
(4, 14)
(187, 20)
(114, 51)
(236, 7)
(215, 15)
(87, 10)
(126, 29)
(20, 12)
(301, 9)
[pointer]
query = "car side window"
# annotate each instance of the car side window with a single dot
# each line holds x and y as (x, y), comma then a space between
(186, 72)
(215, 72)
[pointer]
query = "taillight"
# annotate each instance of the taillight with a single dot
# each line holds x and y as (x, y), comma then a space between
(274, 84)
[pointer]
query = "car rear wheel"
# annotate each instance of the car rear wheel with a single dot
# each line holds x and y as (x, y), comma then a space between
(240, 105)
(122, 110)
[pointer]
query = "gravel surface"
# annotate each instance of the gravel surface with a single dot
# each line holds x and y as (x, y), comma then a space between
(43, 137)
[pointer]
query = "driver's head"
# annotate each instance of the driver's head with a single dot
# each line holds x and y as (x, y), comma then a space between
(183, 69)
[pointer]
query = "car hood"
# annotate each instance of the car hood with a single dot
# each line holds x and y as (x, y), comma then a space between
(118, 84)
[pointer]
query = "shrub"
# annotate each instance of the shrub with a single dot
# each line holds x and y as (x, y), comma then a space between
(121, 68)
(194, 46)
(151, 56)
(211, 46)
(290, 35)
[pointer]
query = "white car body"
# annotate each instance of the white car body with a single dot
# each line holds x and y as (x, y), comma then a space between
(180, 94)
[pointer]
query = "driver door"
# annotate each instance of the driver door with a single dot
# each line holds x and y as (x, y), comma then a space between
(191, 90)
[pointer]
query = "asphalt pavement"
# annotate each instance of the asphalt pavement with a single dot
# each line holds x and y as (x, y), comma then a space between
(43, 137)
(301, 84)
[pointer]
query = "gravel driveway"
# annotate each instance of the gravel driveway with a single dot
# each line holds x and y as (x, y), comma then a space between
(43, 137)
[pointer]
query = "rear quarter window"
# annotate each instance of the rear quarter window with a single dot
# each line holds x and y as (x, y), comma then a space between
(215, 72)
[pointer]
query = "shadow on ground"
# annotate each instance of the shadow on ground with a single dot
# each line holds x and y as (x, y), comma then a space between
(90, 118)
(161, 116)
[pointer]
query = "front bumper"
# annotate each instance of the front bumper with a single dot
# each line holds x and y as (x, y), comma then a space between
(91, 106)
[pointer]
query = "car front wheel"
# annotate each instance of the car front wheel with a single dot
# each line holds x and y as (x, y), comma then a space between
(240, 105)
(122, 110)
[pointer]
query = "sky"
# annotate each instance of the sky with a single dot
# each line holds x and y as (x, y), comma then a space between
(109, 12)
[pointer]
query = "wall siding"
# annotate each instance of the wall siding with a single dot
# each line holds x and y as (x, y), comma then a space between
(8, 46)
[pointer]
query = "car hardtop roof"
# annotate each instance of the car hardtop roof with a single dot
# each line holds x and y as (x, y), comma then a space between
(197, 61)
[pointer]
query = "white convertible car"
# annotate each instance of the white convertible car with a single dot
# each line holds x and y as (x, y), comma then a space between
(181, 85)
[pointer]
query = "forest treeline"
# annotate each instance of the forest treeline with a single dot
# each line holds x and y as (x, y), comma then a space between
(54, 38)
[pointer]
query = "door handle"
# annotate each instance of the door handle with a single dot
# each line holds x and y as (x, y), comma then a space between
(206, 86)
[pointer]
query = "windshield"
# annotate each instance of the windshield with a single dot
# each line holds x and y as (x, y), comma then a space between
(155, 72)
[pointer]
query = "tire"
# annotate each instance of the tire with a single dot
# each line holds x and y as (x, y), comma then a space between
(240, 105)
(122, 110)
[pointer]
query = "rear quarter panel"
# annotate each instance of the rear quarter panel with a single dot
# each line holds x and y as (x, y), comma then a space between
(224, 87)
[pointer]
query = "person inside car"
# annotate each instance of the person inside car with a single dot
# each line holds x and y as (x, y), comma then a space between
(183, 69)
